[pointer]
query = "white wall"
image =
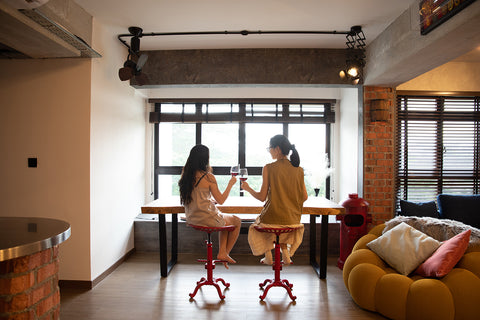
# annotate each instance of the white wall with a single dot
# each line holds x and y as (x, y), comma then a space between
(347, 145)
(88, 130)
(118, 126)
(45, 113)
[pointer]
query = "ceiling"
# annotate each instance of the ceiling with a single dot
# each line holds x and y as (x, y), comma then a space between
(374, 16)
(253, 15)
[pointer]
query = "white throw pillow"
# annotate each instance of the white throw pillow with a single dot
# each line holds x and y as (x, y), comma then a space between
(404, 248)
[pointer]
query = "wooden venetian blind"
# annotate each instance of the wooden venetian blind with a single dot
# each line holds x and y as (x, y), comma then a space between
(246, 111)
(437, 146)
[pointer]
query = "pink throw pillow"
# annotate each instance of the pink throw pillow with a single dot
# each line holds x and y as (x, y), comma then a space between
(446, 257)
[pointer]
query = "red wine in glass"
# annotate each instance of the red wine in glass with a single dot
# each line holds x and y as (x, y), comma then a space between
(243, 174)
(234, 170)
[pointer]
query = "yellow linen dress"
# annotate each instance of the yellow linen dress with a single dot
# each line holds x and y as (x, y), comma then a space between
(283, 208)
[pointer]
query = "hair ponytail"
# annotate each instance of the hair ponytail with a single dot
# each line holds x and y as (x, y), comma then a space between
(285, 146)
(294, 157)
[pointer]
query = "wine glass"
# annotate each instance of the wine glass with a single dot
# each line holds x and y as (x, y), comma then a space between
(235, 170)
(243, 174)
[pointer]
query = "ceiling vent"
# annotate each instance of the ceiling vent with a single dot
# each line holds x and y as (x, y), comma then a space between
(42, 29)
(85, 50)
(25, 4)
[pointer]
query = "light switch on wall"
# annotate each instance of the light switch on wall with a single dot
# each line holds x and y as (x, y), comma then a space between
(32, 162)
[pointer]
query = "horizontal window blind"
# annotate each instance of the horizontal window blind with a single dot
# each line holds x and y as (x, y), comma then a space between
(262, 111)
(437, 146)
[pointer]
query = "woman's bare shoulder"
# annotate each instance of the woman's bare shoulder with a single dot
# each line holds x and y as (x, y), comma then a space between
(211, 177)
(208, 179)
(201, 177)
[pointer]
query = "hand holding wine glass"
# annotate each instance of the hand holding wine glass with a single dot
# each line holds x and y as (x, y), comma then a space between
(235, 170)
(243, 174)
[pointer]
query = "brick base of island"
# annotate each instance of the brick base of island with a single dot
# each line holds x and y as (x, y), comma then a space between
(29, 286)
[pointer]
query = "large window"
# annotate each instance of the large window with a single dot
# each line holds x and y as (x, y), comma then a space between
(238, 132)
(438, 146)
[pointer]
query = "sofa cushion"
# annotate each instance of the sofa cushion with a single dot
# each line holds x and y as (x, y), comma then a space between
(460, 208)
(404, 248)
(446, 256)
(418, 209)
(438, 229)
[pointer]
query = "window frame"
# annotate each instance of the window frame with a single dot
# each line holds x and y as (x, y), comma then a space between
(441, 118)
(242, 117)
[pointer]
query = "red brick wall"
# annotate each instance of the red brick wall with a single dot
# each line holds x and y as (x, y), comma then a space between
(29, 287)
(379, 156)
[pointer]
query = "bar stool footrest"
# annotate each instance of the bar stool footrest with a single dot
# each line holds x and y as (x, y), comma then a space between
(213, 261)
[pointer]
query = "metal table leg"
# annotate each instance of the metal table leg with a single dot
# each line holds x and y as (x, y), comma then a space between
(324, 247)
(320, 269)
(166, 266)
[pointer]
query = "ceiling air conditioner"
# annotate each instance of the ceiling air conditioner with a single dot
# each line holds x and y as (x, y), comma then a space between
(27, 28)
(25, 4)
(85, 50)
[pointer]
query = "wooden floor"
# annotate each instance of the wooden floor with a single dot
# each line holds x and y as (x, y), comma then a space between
(135, 290)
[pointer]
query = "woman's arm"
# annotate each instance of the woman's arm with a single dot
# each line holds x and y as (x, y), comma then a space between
(217, 195)
(305, 193)
(262, 194)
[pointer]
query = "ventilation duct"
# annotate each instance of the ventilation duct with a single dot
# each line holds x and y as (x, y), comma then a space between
(25, 4)
(85, 50)
(45, 29)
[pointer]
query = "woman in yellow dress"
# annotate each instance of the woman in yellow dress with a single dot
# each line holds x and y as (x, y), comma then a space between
(283, 190)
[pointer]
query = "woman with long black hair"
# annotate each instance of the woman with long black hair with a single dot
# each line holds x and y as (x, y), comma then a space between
(199, 194)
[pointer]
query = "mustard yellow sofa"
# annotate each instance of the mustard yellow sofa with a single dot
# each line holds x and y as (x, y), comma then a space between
(377, 287)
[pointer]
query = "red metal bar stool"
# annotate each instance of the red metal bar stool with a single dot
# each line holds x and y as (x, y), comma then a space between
(277, 264)
(210, 262)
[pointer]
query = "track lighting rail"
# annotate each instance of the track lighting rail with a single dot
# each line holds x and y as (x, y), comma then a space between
(135, 61)
(137, 32)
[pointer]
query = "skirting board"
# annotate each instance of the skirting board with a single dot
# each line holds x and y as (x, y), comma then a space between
(87, 285)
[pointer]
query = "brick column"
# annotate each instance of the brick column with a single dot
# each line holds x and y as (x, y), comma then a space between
(378, 155)
(29, 287)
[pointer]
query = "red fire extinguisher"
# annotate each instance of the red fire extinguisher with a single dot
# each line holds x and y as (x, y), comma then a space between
(353, 225)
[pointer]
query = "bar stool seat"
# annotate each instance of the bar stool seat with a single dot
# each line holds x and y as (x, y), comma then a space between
(210, 262)
(277, 264)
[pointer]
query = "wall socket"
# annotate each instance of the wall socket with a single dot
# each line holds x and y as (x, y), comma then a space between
(32, 162)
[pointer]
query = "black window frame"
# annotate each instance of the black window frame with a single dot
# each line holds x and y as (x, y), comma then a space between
(439, 118)
(282, 114)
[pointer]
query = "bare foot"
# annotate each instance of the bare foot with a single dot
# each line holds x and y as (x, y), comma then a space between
(268, 258)
(226, 258)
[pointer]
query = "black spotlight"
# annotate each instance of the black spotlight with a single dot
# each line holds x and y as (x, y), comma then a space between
(133, 68)
(355, 55)
(128, 70)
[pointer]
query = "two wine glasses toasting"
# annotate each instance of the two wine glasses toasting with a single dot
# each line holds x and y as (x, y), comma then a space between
(242, 173)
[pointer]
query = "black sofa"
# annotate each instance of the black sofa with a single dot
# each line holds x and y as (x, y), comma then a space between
(463, 208)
